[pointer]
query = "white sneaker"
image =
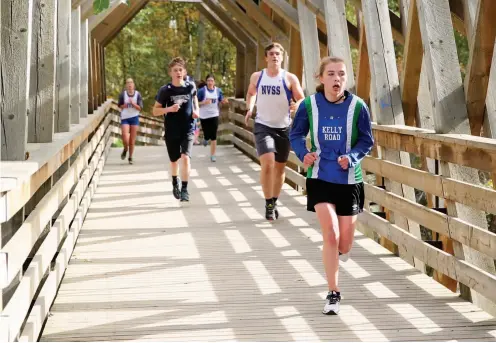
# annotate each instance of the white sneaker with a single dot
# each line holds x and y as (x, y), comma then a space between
(344, 257)
(332, 303)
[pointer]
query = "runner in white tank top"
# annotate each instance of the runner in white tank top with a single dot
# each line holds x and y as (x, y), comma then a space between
(273, 100)
(131, 104)
(210, 98)
(274, 90)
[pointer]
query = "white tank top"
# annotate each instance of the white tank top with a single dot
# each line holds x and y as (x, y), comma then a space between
(211, 110)
(273, 97)
(129, 111)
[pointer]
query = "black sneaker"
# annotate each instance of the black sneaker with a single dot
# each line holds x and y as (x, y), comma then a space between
(130, 160)
(175, 190)
(184, 195)
(123, 155)
(332, 303)
(269, 212)
(276, 212)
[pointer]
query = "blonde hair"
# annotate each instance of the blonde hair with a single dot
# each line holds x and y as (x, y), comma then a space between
(323, 64)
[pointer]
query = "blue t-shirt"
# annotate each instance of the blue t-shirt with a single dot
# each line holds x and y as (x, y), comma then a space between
(180, 123)
(335, 130)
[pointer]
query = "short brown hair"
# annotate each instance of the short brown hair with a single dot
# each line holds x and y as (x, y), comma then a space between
(273, 45)
(323, 64)
(177, 61)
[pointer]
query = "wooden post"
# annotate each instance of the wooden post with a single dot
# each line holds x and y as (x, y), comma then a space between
(310, 45)
(94, 74)
(75, 65)
(451, 116)
(63, 113)
(338, 42)
(363, 69)
(103, 92)
(43, 67)
(15, 59)
(84, 69)
(385, 83)
(481, 52)
(239, 91)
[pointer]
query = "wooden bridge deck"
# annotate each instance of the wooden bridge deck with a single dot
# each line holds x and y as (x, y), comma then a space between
(146, 268)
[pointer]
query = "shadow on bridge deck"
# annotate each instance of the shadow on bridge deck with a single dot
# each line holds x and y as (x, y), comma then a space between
(147, 268)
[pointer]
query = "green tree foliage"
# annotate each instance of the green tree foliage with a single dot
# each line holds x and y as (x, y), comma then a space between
(158, 33)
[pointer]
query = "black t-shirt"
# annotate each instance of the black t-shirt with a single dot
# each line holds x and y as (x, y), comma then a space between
(180, 123)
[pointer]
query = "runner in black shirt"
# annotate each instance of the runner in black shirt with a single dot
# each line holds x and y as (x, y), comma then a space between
(178, 103)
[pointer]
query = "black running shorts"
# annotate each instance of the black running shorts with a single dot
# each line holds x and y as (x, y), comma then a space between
(209, 127)
(348, 199)
(178, 146)
(269, 139)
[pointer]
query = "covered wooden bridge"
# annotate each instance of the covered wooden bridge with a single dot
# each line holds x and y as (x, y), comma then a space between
(94, 249)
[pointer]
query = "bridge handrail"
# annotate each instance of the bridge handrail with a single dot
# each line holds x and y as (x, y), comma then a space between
(43, 243)
(463, 149)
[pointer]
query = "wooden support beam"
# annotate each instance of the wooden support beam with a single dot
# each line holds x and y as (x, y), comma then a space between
(256, 13)
(310, 46)
(75, 65)
(387, 100)
(94, 74)
(246, 22)
(43, 67)
(479, 63)
(91, 74)
(85, 64)
(412, 65)
(338, 42)
(16, 17)
(220, 25)
(63, 114)
(239, 86)
(117, 23)
(363, 78)
(248, 53)
(450, 116)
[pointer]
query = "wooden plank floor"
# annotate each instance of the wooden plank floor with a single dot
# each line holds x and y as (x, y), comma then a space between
(147, 268)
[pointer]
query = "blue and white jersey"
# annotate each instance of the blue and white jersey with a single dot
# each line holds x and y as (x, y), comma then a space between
(211, 110)
(273, 97)
(335, 130)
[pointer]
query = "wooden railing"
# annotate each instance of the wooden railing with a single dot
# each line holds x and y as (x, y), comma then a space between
(44, 203)
(465, 150)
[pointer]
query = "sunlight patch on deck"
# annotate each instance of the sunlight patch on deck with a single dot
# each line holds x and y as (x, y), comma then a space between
(276, 238)
(238, 242)
(309, 273)
(265, 283)
(416, 318)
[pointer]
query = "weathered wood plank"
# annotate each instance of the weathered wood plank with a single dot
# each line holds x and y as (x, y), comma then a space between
(464, 150)
(450, 116)
(338, 43)
(387, 98)
(63, 114)
(363, 78)
(310, 46)
(43, 68)
(85, 65)
(479, 63)
(412, 64)
(276, 33)
(76, 65)
(16, 17)
(462, 271)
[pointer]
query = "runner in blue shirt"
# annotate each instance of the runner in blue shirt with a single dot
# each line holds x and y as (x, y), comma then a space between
(341, 136)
